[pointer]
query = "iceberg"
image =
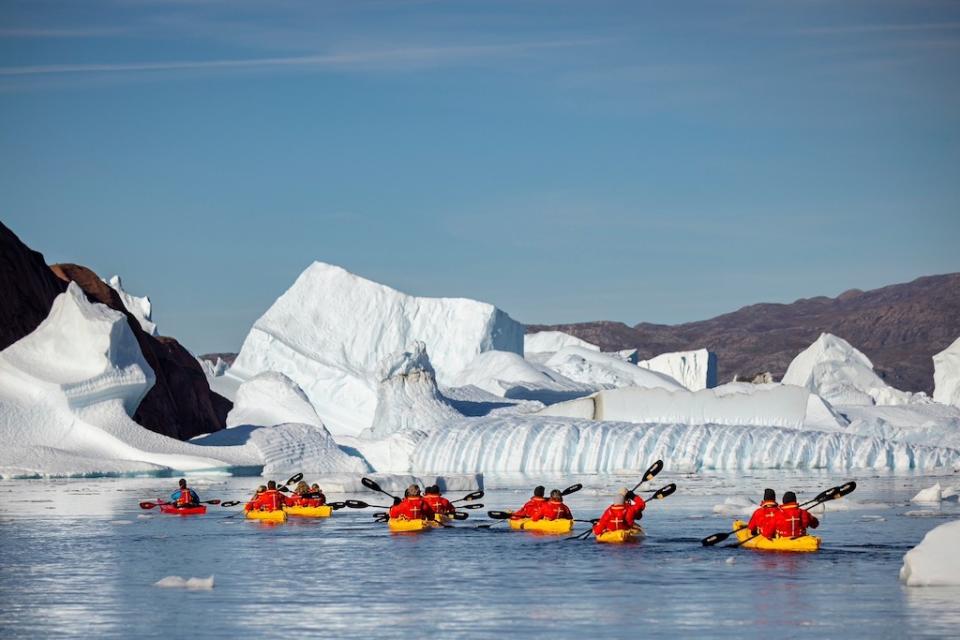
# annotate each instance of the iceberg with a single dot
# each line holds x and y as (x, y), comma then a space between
(271, 398)
(139, 307)
(594, 368)
(553, 341)
(935, 561)
(693, 369)
(331, 329)
(946, 375)
(507, 375)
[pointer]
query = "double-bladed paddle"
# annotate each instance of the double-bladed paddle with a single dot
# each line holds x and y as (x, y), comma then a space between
(373, 486)
(476, 495)
(659, 494)
(150, 505)
(502, 516)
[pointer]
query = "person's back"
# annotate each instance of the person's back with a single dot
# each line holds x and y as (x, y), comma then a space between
(184, 496)
(533, 506)
(315, 496)
(412, 507)
(270, 500)
(617, 517)
(439, 504)
(792, 521)
(554, 509)
(763, 522)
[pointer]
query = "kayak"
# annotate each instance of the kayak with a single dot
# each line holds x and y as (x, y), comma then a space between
(622, 536)
(558, 526)
(310, 512)
(166, 507)
(442, 518)
(798, 545)
(402, 524)
(268, 516)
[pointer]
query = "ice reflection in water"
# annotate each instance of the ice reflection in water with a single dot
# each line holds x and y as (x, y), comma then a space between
(68, 572)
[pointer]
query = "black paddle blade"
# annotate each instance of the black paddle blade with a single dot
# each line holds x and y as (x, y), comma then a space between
(283, 489)
(460, 515)
(337, 505)
(499, 515)
(478, 505)
(664, 492)
(148, 505)
(709, 541)
(356, 504)
(380, 514)
(294, 478)
(230, 503)
(654, 469)
(571, 489)
(370, 484)
(846, 489)
(476, 495)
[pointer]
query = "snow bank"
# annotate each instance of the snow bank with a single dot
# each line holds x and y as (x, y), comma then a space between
(935, 561)
(553, 341)
(946, 375)
(842, 375)
(745, 405)
(602, 370)
(693, 369)
(140, 308)
(508, 375)
(331, 329)
(271, 398)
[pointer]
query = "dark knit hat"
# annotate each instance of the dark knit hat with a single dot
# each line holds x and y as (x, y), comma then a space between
(539, 491)
(789, 497)
(769, 494)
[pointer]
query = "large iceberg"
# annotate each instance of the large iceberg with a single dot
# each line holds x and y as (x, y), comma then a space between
(842, 375)
(946, 375)
(507, 375)
(330, 331)
(935, 561)
(693, 369)
(553, 341)
(602, 370)
(140, 307)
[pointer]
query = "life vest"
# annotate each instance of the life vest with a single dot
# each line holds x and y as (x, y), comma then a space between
(185, 498)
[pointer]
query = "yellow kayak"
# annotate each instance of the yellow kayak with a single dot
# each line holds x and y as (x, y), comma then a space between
(267, 516)
(800, 545)
(442, 518)
(324, 511)
(398, 524)
(622, 536)
(559, 526)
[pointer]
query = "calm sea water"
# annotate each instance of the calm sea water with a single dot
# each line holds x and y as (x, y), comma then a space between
(79, 558)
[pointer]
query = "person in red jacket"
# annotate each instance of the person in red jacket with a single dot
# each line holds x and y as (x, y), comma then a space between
(269, 500)
(412, 507)
(792, 521)
(532, 507)
(635, 505)
(554, 509)
(440, 505)
(314, 497)
(763, 522)
(616, 518)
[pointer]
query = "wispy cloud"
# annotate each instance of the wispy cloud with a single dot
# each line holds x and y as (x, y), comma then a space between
(380, 57)
(92, 32)
(879, 28)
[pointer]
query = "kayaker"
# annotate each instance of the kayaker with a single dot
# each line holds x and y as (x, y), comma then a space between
(554, 509)
(268, 500)
(184, 496)
(763, 522)
(440, 505)
(412, 507)
(316, 495)
(533, 505)
(616, 518)
(792, 521)
(635, 505)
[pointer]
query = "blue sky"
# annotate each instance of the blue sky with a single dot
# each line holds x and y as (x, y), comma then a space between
(567, 161)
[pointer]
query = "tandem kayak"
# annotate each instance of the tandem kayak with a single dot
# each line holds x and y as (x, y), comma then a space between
(198, 510)
(622, 536)
(267, 516)
(559, 526)
(803, 544)
(402, 524)
(323, 511)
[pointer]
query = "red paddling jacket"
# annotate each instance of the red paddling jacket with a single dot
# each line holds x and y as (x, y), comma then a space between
(792, 521)
(439, 504)
(616, 518)
(553, 511)
(412, 508)
(269, 500)
(764, 520)
(532, 508)
(635, 508)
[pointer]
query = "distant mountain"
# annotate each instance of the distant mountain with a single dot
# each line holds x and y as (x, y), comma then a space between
(898, 327)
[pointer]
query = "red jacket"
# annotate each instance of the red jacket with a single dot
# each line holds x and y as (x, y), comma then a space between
(635, 508)
(269, 500)
(300, 501)
(615, 518)
(553, 511)
(531, 509)
(439, 504)
(792, 521)
(764, 520)
(415, 508)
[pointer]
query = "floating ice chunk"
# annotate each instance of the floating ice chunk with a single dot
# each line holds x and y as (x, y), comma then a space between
(176, 582)
(935, 561)
(946, 375)
(932, 494)
(735, 506)
(693, 369)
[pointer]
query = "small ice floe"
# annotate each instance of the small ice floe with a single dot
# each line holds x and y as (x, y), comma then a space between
(176, 582)
(924, 513)
(144, 516)
(929, 495)
(735, 506)
(935, 561)
(121, 522)
(731, 560)
(870, 518)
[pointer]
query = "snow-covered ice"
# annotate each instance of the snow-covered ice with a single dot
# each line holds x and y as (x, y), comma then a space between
(331, 330)
(932, 494)
(946, 375)
(140, 307)
(176, 582)
(506, 374)
(935, 561)
(693, 369)
(543, 342)
(603, 370)
(271, 398)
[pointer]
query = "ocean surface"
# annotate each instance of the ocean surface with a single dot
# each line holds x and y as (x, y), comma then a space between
(79, 559)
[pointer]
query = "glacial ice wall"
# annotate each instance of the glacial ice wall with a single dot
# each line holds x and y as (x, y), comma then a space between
(946, 375)
(693, 369)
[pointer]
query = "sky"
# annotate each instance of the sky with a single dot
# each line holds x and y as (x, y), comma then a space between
(566, 161)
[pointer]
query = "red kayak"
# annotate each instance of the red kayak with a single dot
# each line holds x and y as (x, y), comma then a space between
(167, 507)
